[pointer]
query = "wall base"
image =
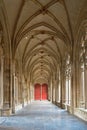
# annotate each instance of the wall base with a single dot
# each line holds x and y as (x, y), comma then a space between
(60, 105)
(81, 113)
(5, 112)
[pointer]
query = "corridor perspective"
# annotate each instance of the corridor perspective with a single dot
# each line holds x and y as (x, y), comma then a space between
(42, 115)
(43, 64)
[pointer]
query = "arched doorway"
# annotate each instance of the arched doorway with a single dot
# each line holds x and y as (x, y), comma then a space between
(40, 91)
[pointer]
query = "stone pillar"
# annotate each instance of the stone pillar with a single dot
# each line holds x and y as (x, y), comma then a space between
(49, 90)
(51, 94)
(16, 90)
(13, 93)
(63, 91)
(81, 77)
(61, 83)
(82, 94)
(67, 93)
(85, 72)
(1, 82)
(20, 90)
(85, 87)
(27, 91)
(5, 86)
(31, 92)
(53, 90)
(22, 85)
(59, 91)
(13, 86)
(70, 90)
(66, 80)
(56, 91)
(6, 90)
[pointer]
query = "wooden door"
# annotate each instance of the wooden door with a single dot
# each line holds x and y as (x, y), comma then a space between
(44, 91)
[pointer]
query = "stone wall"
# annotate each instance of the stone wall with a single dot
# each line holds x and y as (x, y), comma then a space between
(81, 113)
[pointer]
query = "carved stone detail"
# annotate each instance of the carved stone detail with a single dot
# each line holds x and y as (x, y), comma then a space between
(67, 66)
(83, 54)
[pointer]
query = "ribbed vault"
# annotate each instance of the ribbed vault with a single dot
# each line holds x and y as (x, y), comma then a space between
(42, 32)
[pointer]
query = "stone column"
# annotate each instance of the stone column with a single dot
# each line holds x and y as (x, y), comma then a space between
(82, 94)
(31, 92)
(67, 92)
(56, 91)
(20, 90)
(22, 86)
(1, 82)
(50, 85)
(70, 90)
(51, 90)
(59, 91)
(13, 87)
(85, 72)
(61, 83)
(1, 71)
(27, 91)
(5, 86)
(6, 90)
(13, 93)
(81, 77)
(16, 90)
(85, 87)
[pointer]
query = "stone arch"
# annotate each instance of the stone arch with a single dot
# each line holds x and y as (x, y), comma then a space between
(80, 59)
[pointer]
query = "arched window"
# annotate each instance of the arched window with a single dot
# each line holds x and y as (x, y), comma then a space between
(83, 72)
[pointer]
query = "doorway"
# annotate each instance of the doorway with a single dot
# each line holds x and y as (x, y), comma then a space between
(40, 91)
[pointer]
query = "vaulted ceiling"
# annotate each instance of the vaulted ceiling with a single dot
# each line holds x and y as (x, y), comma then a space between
(42, 31)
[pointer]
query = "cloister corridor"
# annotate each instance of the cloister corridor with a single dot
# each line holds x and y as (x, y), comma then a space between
(43, 64)
(42, 115)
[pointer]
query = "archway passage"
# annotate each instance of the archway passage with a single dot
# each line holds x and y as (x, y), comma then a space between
(41, 92)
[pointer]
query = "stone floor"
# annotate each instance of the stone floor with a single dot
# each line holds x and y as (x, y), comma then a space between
(42, 115)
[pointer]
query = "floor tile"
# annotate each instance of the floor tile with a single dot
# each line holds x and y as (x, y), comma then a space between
(43, 115)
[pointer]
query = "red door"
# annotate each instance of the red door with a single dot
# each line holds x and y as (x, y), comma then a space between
(44, 91)
(37, 92)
